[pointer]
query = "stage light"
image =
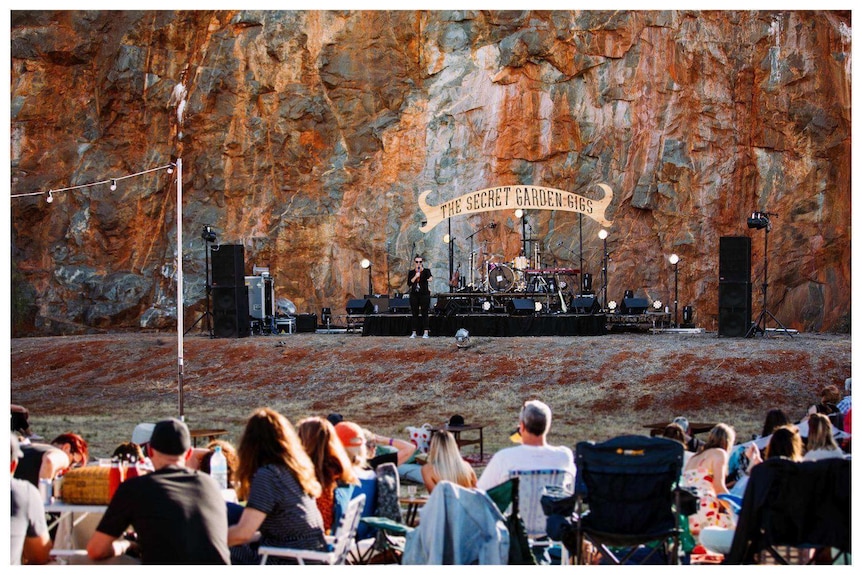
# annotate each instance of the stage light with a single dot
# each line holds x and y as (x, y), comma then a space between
(673, 259)
(365, 263)
(50, 197)
(656, 305)
(612, 305)
(519, 213)
(603, 234)
(113, 185)
(759, 220)
(486, 306)
(538, 306)
(207, 234)
(462, 338)
(447, 238)
(326, 316)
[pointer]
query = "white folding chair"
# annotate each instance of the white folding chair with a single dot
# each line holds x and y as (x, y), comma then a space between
(532, 484)
(338, 545)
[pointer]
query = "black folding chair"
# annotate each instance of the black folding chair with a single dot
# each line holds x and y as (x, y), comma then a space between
(791, 506)
(628, 502)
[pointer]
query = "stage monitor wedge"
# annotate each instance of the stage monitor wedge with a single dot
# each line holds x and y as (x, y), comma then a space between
(360, 307)
(521, 306)
(634, 305)
(585, 304)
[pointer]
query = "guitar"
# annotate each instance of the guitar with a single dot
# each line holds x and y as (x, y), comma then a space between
(456, 277)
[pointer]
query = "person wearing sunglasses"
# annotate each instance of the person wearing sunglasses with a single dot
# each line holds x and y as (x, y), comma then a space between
(420, 296)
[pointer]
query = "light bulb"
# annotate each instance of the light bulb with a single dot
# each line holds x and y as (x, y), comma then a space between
(519, 213)
(603, 234)
(447, 238)
(113, 185)
(50, 197)
(171, 169)
(365, 263)
(674, 259)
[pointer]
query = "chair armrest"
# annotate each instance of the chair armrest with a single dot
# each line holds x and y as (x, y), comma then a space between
(304, 554)
(386, 524)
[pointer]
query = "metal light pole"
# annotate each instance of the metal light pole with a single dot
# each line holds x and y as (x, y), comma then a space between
(519, 213)
(674, 259)
(448, 239)
(603, 235)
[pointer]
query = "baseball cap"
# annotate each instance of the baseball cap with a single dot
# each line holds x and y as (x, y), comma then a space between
(142, 433)
(350, 434)
(682, 422)
(171, 437)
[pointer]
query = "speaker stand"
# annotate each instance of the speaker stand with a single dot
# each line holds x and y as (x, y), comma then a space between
(759, 326)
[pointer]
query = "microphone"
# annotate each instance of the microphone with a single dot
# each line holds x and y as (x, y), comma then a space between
(559, 244)
(493, 225)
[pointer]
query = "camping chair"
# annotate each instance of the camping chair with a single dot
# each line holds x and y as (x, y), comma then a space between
(794, 506)
(505, 497)
(459, 526)
(532, 484)
(386, 521)
(338, 546)
(627, 499)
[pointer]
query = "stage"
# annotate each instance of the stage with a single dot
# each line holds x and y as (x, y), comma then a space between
(490, 324)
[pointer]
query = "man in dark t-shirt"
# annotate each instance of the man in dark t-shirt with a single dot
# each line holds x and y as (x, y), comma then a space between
(179, 515)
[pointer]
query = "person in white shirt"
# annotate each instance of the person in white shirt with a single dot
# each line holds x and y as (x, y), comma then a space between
(534, 453)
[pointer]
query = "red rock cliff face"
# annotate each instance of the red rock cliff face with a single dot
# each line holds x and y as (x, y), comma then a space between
(308, 136)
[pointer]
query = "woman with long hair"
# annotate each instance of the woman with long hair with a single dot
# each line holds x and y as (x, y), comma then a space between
(446, 464)
(277, 480)
(821, 443)
(785, 442)
(705, 472)
(331, 463)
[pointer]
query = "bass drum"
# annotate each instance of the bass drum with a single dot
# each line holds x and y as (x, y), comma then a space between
(501, 278)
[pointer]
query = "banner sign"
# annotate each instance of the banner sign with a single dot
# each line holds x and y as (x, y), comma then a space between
(514, 197)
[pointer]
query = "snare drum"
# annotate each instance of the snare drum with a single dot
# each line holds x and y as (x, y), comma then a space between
(501, 277)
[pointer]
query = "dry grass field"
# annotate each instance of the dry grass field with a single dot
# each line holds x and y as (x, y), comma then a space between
(101, 386)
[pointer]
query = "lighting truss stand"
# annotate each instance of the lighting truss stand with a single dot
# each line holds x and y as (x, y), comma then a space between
(759, 326)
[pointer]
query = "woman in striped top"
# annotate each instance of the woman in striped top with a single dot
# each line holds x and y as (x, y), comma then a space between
(278, 477)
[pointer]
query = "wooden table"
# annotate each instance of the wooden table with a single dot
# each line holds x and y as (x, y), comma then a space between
(456, 430)
(413, 504)
(210, 434)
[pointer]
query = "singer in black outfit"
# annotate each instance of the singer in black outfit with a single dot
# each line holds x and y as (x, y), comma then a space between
(420, 296)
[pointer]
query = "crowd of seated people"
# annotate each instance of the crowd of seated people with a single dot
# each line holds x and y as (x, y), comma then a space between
(293, 483)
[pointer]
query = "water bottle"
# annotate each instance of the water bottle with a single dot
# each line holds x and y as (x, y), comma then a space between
(218, 467)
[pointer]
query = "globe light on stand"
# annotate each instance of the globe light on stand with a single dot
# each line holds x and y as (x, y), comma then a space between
(366, 264)
(603, 235)
(674, 260)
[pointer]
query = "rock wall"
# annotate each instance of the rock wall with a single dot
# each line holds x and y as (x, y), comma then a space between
(307, 136)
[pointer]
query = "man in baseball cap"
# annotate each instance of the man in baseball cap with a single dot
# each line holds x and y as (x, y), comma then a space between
(178, 514)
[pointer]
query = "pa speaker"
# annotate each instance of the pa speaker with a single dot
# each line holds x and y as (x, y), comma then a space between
(230, 312)
(519, 306)
(228, 265)
(585, 304)
(734, 259)
(634, 305)
(734, 308)
(360, 307)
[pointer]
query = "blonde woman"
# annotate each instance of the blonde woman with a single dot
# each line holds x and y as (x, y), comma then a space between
(705, 472)
(821, 444)
(446, 464)
(279, 478)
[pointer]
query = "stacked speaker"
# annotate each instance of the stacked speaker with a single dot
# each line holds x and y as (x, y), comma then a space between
(229, 292)
(734, 286)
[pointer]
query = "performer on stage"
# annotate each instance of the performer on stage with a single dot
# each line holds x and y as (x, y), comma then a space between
(420, 295)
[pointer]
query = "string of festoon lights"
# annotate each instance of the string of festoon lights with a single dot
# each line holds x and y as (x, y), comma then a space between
(112, 181)
(175, 164)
